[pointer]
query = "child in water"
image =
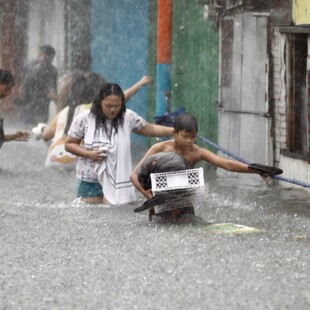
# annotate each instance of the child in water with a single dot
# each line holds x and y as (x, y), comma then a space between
(183, 144)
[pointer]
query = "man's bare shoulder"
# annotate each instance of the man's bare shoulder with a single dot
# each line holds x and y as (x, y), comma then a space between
(164, 146)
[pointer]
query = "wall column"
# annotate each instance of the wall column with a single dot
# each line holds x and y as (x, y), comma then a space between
(164, 48)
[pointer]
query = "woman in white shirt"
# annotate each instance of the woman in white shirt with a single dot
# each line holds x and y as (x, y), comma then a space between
(101, 139)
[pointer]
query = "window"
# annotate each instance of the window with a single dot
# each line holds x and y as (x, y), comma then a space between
(298, 91)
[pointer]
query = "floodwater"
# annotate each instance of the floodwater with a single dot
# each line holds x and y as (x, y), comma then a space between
(56, 254)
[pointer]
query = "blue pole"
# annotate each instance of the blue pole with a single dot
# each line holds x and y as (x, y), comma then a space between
(163, 88)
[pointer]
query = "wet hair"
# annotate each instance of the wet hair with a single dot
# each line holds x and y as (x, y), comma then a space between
(83, 61)
(94, 82)
(75, 96)
(6, 78)
(108, 89)
(48, 50)
(185, 121)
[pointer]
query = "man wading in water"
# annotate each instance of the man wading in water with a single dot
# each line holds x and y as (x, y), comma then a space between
(183, 144)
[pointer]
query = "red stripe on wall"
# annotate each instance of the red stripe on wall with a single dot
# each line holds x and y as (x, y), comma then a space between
(164, 31)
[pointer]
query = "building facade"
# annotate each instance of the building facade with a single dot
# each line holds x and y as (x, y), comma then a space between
(264, 93)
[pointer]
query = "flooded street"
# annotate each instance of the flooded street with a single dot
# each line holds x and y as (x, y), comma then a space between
(56, 254)
(241, 67)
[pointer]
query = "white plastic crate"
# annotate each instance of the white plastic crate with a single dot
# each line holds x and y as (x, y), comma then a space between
(190, 178)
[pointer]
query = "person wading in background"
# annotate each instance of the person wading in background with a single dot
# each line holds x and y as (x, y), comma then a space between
(6, 84)
(39, 87)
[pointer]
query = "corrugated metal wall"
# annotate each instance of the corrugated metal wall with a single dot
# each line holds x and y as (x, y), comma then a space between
(244, 119)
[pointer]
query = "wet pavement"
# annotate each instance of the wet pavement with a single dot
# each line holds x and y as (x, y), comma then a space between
(56, 254)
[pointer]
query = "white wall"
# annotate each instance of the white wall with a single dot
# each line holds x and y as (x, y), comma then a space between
(46, 26)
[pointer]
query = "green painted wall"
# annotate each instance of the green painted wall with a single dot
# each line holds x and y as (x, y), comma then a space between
(152, 63)
(195, 65)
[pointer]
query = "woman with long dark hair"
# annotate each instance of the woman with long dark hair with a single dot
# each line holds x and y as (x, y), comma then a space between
(101, 139)
(78, 91)
(76, 97)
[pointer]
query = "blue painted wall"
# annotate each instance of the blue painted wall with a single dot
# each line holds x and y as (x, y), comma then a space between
(119, 47)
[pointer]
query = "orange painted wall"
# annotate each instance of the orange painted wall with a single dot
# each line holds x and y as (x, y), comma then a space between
(164, 31)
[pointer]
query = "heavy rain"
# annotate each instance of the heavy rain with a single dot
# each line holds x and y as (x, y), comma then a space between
(230, 64)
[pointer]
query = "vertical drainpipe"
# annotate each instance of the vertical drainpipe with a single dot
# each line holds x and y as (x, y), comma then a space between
(164, 47)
